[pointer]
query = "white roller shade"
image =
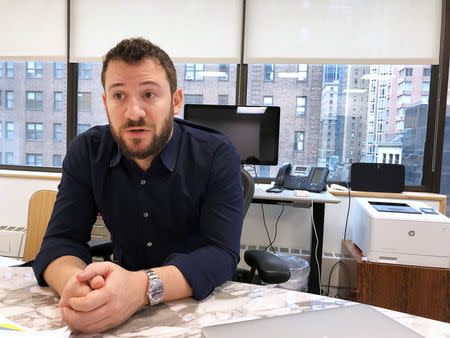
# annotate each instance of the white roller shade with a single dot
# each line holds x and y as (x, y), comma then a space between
(33, 30)
(202, 31)
(342, 31)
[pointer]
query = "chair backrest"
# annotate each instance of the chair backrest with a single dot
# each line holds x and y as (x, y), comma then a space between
(40, 209)
(248, 187)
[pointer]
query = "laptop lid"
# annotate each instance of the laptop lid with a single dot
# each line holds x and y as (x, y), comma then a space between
(339, 322)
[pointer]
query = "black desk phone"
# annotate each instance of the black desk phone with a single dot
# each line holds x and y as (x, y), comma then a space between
(300, 177)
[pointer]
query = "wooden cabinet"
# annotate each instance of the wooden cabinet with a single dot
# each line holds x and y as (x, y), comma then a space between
(418, 290)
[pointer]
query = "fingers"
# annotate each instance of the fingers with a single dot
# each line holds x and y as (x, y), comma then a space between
(91, 301)
(91, 322)
(94, 269)
(97, 282)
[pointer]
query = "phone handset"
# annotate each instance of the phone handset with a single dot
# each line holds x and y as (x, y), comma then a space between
(284, 170)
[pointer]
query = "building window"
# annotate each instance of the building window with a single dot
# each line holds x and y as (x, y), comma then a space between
(9, 99)
(424, 99)
(267, 100)
(57, 132)
(1, 104)
(84, 101)
(34, 70)
(269, 70)
(34, 159)
(426, 86)
(397, 158)
(57, 101)
(58, 70)
(34, 101)
(81, 128)
(57, 160)
(9, 158)
(301, 105)
(427, 72)
(85, 71)
(9, 131)
(223, 99)
(9, 69)
(1, 75)
(224, 68)
(408, 71)
(1, 129)
(299, 140)
(194, 72)
(34, 131)
(193, 98)
(302, 72)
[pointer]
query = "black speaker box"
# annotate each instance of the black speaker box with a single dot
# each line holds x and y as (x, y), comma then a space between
(379, 177)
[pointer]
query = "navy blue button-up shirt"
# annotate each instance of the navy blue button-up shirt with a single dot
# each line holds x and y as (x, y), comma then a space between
(185, 210)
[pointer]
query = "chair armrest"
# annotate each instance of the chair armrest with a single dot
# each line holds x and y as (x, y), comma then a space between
(271, 268)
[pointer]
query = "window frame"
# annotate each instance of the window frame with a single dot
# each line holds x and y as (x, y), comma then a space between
(436, 114)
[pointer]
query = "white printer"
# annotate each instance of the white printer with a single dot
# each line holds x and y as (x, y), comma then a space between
(400, 232)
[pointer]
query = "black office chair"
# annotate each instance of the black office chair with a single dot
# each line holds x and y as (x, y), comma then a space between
(271, 268)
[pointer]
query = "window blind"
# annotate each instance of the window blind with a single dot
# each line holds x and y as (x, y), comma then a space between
(342, 31)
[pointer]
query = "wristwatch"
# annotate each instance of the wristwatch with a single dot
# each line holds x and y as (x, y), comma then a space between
(155, 287)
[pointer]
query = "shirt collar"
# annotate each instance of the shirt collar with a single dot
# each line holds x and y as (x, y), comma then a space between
(168, 155)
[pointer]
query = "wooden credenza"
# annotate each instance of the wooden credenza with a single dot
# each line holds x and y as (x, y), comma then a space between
(418, 290)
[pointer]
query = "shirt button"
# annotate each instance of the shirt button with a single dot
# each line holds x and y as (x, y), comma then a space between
(145, 214)
(143, 182)
(149, 244)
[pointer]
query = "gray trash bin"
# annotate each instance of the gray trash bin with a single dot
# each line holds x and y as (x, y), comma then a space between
(299, 273)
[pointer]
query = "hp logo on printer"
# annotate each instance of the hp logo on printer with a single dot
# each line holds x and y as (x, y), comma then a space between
(411, 233)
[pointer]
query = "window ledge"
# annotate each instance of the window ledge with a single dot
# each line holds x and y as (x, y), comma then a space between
(30, 174)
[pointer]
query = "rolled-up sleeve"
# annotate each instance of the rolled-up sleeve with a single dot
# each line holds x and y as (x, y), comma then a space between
(73, 215)
(221, 218)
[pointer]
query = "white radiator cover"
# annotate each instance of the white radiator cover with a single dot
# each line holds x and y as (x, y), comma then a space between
(12, 241)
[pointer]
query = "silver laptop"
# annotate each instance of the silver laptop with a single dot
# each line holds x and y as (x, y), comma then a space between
(339, 322)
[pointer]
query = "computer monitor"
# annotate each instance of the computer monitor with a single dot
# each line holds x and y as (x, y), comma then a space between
(253, 130)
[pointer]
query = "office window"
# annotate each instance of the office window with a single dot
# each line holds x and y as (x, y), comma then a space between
(34, 70)
(84, 71)
(34, 100)
(34, 159)
(269, 70)
(34, 131)
(368, 99)
(223, 99)
(81, 128)
(427, 72)
(225, 69)
(57, 101)
(84, 101)
(9, 99)
(9, 157)
(194, 72)
(58, 70)
(9, 69)
(9, 132)
(299, 140)
(193, 99)
(302, 72)
(57, 132)
(301, 105)
(267, 100)
(57, 160)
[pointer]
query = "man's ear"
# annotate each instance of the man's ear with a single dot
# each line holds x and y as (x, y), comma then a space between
(177, 101)
(104, 102)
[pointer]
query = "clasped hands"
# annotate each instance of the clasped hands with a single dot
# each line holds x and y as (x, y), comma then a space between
(102, 296)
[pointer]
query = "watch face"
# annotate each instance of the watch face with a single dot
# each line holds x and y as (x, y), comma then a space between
(156, 290)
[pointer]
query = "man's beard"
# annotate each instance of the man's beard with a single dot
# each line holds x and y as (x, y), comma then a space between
(156, 145)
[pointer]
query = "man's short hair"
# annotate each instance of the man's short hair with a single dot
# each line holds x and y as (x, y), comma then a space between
(134, 50)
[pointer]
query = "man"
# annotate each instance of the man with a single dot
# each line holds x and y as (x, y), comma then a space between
(169, 192)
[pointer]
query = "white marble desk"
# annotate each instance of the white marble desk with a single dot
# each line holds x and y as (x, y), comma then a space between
(24, 302)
